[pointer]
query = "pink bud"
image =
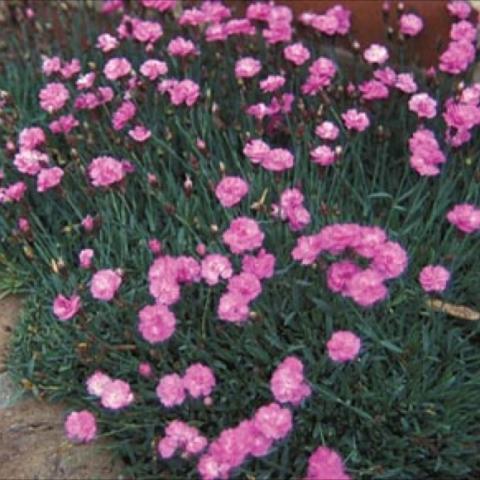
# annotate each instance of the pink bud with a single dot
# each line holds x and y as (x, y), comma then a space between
(23, 225)
(155, 246)
(201, 249)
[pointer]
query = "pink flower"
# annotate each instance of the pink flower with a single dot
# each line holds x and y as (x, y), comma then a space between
(296, 53)
(171, 390)
(343, 346)
(124, 113)
(107, 42)
(104, 284)
(410, 24)
(53, 97)
(97, 382)
(163, 283)
(140, 133)
(465, 217)
(278, 160)
(262, 265)
(245, 285)
(247, 67)
(23, 224)
(64, 124)
(88, 223)
(273, 421)
(199, 380)
(188, 270)
(355, 120)
(307, 249)
(49, 178)
(105, 171)
(81, 426)
(426, 155)
(423, 105)
(463, 31)
(373, 90)
(366, 287)
(117, 68)
(459, 8)
(434, 278)
(185, 91)
(339, 273)
(51, 65)
(233, 308)
(390, 260)
(146, 31)
(116, 395)
(256, 150)
(157, 323)
(30, 162)
(152, 69)
(181, 47)
(376, 54)
(30, 138)
(159, 5)
(288, 384)
(458, 57)
(327, 131)
(386, 75)
(272, 83)
(406, 83)
(323, 155)
(231, 190)
(145, 369)
(71, 68)
(243, 234)
(214, 267)
(13, 193)
(155, 246)
(326, 464)
(65, 308)
(85, 81)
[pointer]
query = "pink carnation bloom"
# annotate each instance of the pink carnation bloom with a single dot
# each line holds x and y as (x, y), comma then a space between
(327, 131)
(124, 113)
(117, 68)
(159, 5)
(296, 53)
(23, 224)
(145, 369)
(373, 90)
(215, 267)
(288, 384)
(326, 464)
(107, 42)
(376, 54)
(53, 97)
(163, 284)
(458, 56)
(157, 323)
(434, 278)
(366, 287)
(245, 285)
(31, 138)
(199, 380)
(140, 133)
(181, 47)
(97, 382)
(343, 346)
(146, 31)
(368, 240)
(256, 150)
(273, 421)
(185, 91)
(426, 155)
(459, 8)
(423, 105)
(105, 171)
(65, 308)
(171, 390)
(323, 155)
(463, 31)
(247, 67)
(406, 83)
(13, 193)
(30, 162)
(70, 69)
(49, 178)
(410, 24)
(237, 26)
(386, 75)
(355, 120)
(307, 249)
(390, 260)
(85, 81)
(104, 284)
(465, 217)
(233, 308)
(231, 190)
(338, 275)
(116, 395)
(262, 265)
(272, 83)
(81, 426)
(51, 65)
(188, 270)
(152, 69)
(242, 235)
(278, 160)
(88, 223)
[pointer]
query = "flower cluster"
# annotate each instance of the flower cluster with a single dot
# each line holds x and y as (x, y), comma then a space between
(288, 384)
(181, 436)
(273, 159)
(114, 394)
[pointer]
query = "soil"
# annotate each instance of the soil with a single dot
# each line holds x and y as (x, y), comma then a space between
(32, 441)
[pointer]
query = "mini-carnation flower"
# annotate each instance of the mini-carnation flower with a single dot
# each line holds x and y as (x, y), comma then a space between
(117, 68)
(273, 421)
(243, 235)
(65, 308)
(247, 67)
(233, 308)
(116, 394)
(272, 83)
(343, 346)
(157, 323)
(105, 171)
(296, 53)
(246, 285)
(181, 47)
(326, 464)
(96, 383)
(376, 53)
(410, 24)
(355, 120)
(323, 155)
(171, 390)
(231, 190)
(104, 284)
(288, 384)
(199, 380)
(465, 216)
(327, 131)
(262, 265)
(215, 267)
(423, 105)
(434, 278)
(366, 287)
(81, 426)
(152, 69)
(49, 178)
(31, 138)
(278, 160)
(53, 97)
